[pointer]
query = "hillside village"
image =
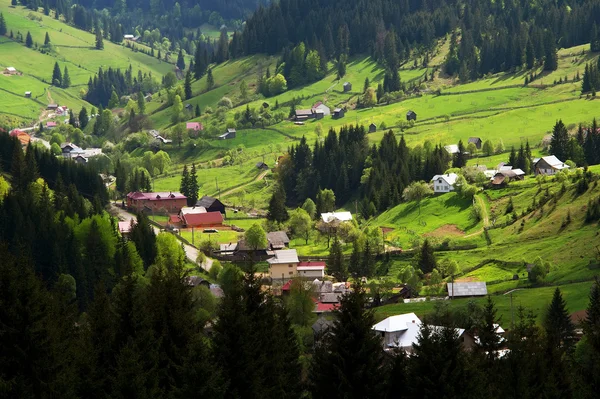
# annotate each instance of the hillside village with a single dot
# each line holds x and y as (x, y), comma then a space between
(416, 190)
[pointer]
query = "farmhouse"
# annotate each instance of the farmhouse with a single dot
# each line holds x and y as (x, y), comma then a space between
(211, 204)
(126, 226)
(548, 165)
(311, 269)
(199, 219)
(347, 87)
(411, 116)
(52, 107)
(444, 183)
(319, 106)
(504, 176)
(329, 217)
(27, 94)
(50, 125)
(477, 141)
(62, 110)
(128, 37)
(372, 128)
(67, 148)
(467, 289)
(303, 114)
(229, 134)
(189, 107)
(278, 240)
(148, 98)
(156, 202)
(283, 264)
(196, 126)
(402, 332)
(451, 149)
(338, 113)
(10, 71)
(262, 166)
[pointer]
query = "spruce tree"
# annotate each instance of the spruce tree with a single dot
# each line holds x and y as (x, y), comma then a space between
(194, 188)
(3, 27)
(349, 361)
(426, 260)
(29, 40)
(210, 80)
(83, 118)
(560, 331)
(47, 39)
(141, 102)
(197, 111)
(188, 85)
(99, 39)
(72, 120)
(56, 76)
(66, 79)
(277, 211)
(559, 143)
(180, 60)
(336, 265)
(184, 187)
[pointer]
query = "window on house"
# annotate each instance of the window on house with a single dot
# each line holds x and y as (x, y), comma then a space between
(291, 273)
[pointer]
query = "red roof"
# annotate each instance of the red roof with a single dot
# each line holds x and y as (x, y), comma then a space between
(199, 219)
(155, 196)
(309, 263)
(50, 124)
(16, 133)
(174, 219)
(194, 125)
(326, 307)
(287, 286)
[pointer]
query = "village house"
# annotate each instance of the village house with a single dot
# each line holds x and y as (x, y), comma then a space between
(23, 137)
(329, 217)
(311, 270)
(27, 94)
(402, 332)
(372, 128)
(283, 264)
(503, 176)
(477, 141)
(67, 148)
(278, 240)
(126, 226)
(52, 107)
(338, 113)
(319, 106)
(549, 165)
(211, 204)
(196, 126)
(62, 110)
(148, 98)
(347, 87)
(262, 166)
(156, 202)
(411, 116)
(50, 125)
(199, 219)
(10, 70)
(128, 37)
(444, 183)
(451, 149)
(189, 107)
(466, 289)
(229, 134)
(303, 114)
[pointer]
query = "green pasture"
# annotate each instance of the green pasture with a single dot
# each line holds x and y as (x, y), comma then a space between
(222, 237)
(534, 299)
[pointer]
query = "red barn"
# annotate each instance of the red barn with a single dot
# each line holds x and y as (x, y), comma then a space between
(171, 202)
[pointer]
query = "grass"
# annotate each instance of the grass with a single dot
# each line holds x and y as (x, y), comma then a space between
(536, 300)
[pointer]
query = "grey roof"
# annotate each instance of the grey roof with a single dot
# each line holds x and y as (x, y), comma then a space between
(284, 256)
(206, 201)
(278, 237)
(472, 288)
(322, 325)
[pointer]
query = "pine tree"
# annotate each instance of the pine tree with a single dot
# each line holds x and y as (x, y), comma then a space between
(18, 166)
(72, 120)
(188, 85)
(210, 81)
(180, 60)
(551, 54)
(184, 187)
(114, 100)
(197, 113)
(194, 188)
(56, 76)
(560, 331)
(426, 260)
(29, 40)
(141, 103)
(560, 141)
(66, 79)
(336, 266)
(367, 84)
(99, 40)
(143, 236)
(512, 158)
(3, 27)
(277, 211)
(83, 118)
(349, 361)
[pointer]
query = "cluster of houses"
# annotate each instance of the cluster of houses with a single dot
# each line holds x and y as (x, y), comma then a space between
(78, 154)
(318, 111)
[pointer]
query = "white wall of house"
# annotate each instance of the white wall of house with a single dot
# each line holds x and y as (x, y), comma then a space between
(311, 273)
(441, 186)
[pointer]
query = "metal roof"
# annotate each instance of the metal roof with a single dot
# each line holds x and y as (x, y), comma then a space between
(284, 256)
(399, 322)
(471, 288)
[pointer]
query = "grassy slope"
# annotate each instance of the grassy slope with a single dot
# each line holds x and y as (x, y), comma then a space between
(74, 49)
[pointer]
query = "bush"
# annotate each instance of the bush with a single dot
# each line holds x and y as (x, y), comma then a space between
(215, 269)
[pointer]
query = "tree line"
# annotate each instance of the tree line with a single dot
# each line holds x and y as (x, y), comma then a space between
(583, 147)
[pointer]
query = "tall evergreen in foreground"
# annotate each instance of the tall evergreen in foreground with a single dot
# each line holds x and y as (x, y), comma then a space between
(29, 40)
(99, 39)
(3, 28)
(349, 362)
(56, 76)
